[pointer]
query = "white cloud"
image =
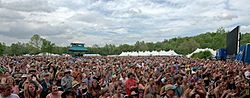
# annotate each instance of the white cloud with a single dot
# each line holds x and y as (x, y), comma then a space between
(117, 21)
(27, 5)
(245, 29)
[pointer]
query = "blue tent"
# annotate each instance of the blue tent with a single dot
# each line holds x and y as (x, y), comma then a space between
(221, 54)
(244, 53)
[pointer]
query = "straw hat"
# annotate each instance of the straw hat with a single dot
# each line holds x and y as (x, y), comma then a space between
(75, 84)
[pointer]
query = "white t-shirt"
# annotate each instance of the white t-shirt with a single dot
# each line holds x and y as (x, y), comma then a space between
(11, 96)
(247, 74)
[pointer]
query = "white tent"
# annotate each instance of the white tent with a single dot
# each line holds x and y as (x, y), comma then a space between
(129, 53)
(124, 54)
(172, 53)
(199, 50)
(162, 53)
(154, 53)
(134, 54)
(27, 55)
(47, 54)
(54, 54)
(91, 55)
(66, 55)
(112, 55)
(141, 53)
(148, 53)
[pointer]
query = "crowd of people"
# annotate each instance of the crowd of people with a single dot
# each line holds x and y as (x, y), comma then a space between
(122, 77)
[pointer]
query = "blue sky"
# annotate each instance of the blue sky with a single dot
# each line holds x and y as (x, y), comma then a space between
(117, 21)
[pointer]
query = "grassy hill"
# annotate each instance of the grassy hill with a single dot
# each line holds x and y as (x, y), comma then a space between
(182, 45)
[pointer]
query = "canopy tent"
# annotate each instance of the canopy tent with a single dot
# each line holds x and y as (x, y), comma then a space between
(134, 54)
(124, 54)
(112, 55)
(154, 53)
(47, 54)
(77, 47)
(66, 55)
(27, 55)
(163, 53)
(91, 55)
(213, 52)
(148, 53)
(172, 53)
(141, 53)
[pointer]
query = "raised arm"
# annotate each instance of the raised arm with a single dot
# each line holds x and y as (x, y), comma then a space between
(162, 92)
(40, 88)
(26, 87)
(146, 90)
(159, 78)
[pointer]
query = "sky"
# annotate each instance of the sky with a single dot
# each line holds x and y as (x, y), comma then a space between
(117, 22)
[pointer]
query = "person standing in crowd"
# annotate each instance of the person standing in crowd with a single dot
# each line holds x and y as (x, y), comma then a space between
(118, 93)
(66, 81)
(106, 77)
(32, 88)
(6, 91)
(247, 74)
(12, 82)
(58, 80)
(131, 84)
(55, 93)
(150, 89)
(88, 78)
(168, 91)
(178, 87)
(75, 88)
(45, 84)
(83, 89)
(69, 94)
(95, 89)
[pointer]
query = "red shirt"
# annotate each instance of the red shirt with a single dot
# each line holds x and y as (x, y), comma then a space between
(129, 83)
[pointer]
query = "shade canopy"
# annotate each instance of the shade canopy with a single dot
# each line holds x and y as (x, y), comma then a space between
(77, 47)
(148, 53)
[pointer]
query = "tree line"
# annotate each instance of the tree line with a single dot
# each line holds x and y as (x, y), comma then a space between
(35, 46)
(182, 45)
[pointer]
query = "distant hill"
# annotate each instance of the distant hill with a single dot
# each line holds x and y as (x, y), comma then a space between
(184, 45)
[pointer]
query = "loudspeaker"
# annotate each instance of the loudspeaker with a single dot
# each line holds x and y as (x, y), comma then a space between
(233, 41)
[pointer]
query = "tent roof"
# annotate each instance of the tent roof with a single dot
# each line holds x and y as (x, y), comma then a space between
(148, 53)
(199, 50)
(77, 49)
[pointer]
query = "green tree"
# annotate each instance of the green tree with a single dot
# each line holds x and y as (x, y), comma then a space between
(59, 50)
(18, 49)
(2, 48)
(36, 41)
(187, 46)
(182, 45)
(245, 38)
(32, 50)
(47, 46)
(125, 48)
